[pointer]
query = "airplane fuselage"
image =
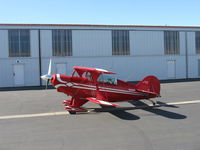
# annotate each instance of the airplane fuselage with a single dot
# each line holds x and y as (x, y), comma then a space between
(83, 88)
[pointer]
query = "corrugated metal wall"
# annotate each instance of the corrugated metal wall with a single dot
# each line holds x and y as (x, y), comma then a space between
(92, 43)
(147, 43)
(93, 48)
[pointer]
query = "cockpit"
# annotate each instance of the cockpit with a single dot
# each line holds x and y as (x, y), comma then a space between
(95, 75)
(107, 79)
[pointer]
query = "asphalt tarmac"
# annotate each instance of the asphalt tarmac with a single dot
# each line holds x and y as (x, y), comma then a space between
(35, 120)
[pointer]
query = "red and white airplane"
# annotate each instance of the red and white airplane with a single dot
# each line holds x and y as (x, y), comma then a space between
(98, 86)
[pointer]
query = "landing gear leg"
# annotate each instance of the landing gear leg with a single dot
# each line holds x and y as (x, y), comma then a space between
(75, 105)
(154, 103)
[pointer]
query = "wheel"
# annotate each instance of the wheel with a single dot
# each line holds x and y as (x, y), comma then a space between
(72, 112)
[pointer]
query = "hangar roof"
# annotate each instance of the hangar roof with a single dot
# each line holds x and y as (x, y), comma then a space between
(96, 26)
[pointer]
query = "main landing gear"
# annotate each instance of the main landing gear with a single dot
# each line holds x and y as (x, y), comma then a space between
(74, 105)
(153, 102)
(72, 112)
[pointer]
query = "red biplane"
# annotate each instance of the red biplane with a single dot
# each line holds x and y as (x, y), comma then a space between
(98, 86)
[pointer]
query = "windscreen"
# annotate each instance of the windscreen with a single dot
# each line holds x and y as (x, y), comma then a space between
(107, 79)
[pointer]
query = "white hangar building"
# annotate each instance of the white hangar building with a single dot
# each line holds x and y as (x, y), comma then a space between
(168, 52)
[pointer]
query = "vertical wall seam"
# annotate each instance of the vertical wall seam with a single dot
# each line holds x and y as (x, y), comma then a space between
(186, 55)
(39, 48)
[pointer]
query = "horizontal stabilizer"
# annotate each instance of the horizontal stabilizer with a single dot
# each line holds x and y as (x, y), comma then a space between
(148, 92)
(101, 102)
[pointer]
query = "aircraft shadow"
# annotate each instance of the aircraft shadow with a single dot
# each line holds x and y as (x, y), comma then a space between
(157, 111)
(166, 105)
(120, 113)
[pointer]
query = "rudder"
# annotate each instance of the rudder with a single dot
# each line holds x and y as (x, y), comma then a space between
(149, 84)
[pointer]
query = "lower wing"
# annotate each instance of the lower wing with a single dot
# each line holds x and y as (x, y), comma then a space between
(101, 102)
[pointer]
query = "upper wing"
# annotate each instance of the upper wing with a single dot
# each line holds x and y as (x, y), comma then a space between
(101, 102)
(87, 69)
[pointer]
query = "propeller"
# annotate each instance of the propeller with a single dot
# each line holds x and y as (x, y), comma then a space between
(47, 77)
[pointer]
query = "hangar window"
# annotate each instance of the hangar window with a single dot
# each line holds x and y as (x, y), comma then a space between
(62, 42)
(197, 41)
(171, 41)
(120, 42)
(19, 43)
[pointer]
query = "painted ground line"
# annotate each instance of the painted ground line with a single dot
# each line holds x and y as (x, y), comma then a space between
(65, 112)
(184, 102)
(34, 115)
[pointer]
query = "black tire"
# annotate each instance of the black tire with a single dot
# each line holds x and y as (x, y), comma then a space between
(72, 112)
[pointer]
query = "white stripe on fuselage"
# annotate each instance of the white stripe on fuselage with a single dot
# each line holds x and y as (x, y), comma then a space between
(59, 85)
(92, 86)
(106, 88)
(59, 79)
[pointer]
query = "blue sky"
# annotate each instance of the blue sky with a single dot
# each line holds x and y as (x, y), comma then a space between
(111, 12)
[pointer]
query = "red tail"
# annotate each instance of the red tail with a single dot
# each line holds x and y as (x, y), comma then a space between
(149, 84)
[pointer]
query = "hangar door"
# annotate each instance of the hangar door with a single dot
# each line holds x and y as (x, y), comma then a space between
(61, 69)
(171, 68)
(18, 73)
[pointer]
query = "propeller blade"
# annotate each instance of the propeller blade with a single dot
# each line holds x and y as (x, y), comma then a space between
(49, 71)
(47, 83)
(47, 77)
